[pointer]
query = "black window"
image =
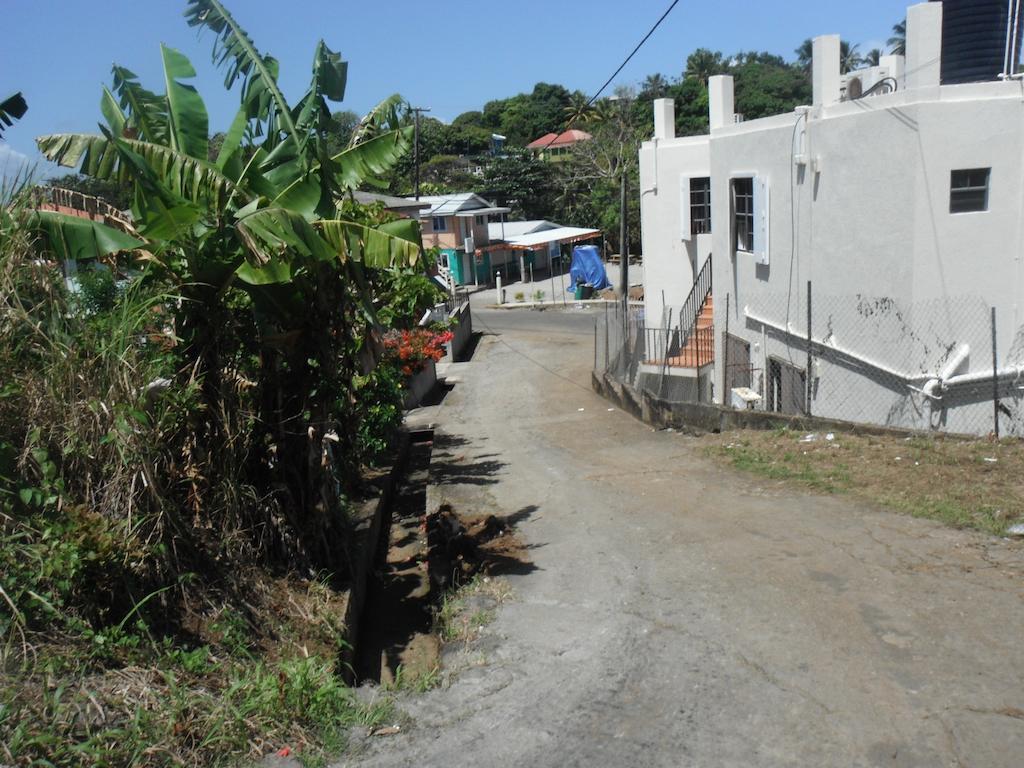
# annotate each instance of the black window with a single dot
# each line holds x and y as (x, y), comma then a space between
(440, 224)
(743, 214)
(968, 190)
(700, 206)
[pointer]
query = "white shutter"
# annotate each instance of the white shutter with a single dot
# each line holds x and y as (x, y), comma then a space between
(685, 232)
(762, 215)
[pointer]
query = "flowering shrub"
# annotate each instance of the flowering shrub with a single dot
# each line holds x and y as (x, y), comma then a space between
(412, 349)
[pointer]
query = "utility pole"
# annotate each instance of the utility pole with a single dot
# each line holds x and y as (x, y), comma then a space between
(416, 148)
(623, 239)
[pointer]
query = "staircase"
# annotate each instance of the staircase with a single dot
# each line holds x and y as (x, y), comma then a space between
(699, 348)
(690, 343)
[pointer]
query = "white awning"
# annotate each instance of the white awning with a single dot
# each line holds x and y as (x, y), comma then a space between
(537, 239)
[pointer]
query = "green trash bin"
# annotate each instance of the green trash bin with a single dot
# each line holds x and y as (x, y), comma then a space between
(579, 291)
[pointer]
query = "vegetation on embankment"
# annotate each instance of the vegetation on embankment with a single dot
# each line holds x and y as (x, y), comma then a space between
(191, 398)
(964, 483)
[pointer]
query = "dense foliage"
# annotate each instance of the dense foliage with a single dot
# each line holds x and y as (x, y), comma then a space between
(191, 396)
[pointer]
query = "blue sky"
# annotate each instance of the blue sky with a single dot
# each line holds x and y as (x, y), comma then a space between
(450, 56)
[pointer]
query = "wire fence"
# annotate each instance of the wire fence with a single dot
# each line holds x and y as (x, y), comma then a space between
(948, 365)
(663, 362)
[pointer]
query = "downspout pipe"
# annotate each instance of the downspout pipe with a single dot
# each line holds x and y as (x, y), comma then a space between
(788, 330)
(936, 384)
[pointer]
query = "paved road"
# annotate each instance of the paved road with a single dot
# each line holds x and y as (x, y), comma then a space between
(681, 615)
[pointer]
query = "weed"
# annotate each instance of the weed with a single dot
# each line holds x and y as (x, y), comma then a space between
(538, 296)
(519, 296)
(962, 483)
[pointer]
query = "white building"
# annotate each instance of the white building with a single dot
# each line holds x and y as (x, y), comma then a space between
(898, 193)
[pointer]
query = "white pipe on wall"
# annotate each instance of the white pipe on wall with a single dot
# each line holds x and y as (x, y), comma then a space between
(936, 384)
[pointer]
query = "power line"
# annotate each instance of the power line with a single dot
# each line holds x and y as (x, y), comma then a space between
(615, 74)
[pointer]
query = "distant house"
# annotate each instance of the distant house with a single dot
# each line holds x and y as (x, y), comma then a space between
(554, 145)
(521, 248)
(457, 225)
(402, 206)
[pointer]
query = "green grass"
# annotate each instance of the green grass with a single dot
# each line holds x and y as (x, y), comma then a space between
(961, 483)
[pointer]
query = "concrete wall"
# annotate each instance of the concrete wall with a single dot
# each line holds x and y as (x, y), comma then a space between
(670, 262)
(462, 332)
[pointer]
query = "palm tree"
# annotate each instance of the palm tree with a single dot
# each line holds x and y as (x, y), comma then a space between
(579, 109)
(874, 56)
(805, 54)
(849, 57)
(654, 86)
(703, 63)
(898, 42)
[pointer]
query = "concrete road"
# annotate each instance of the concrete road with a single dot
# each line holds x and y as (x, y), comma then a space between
(682, 615)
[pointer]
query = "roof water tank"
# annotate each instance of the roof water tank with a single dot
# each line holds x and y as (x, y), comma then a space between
(974, 39)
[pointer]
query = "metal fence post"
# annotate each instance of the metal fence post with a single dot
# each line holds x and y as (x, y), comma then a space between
(606, 358)
(995, 378)
(725, 355)
(808, 375)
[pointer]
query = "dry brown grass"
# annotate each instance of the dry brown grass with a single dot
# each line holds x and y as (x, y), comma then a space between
(964, 483)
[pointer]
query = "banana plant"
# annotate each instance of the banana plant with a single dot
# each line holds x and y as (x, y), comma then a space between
(262, 219)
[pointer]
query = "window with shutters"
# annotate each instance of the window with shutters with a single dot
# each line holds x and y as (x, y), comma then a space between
(743, 214)
(968, 190)
(700, 206)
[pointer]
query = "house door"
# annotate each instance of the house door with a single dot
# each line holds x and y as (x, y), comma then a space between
(786, 387)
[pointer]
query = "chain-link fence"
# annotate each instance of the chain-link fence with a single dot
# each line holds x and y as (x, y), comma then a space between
(673, 363)
(950, 365)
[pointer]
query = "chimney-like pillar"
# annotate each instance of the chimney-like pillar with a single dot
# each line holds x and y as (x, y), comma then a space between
(721, 102)
(664, 118)
(825, 69)
(924, 45)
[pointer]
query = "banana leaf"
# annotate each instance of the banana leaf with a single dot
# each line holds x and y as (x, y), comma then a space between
(71, 238)
(189, 124)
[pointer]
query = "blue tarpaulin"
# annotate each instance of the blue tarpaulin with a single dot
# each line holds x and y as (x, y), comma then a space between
(587, 269)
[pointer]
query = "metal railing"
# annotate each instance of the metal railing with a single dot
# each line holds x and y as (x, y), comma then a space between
(690, 312)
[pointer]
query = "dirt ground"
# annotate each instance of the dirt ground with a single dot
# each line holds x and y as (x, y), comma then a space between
(675, 612)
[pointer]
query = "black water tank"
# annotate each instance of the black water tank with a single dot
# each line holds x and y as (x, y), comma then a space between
(974, 39)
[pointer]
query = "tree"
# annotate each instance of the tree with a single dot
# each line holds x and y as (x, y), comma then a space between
(703, 63)
(520, 180)
(259, 239)
(805, 54)
(117, 194)
(340, 129)
(769, 89)
(849, 57)
(873, 57)
(898, 42)
(654, 86)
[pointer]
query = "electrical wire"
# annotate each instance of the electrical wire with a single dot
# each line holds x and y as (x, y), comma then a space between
(614, 74)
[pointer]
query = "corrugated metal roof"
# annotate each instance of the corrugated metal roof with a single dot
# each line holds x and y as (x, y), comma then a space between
(508, 229)
(390, 201)
(557, 235)
(449, 205)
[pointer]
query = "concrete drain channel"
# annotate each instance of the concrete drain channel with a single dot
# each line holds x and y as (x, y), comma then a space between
(396, 628)
(427, 554)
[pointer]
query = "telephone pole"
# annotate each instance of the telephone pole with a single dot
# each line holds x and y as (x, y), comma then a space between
(416, 148)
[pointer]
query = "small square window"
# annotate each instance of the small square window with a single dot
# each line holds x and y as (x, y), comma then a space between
(440, 224)
(968, 190)
(479, 219)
